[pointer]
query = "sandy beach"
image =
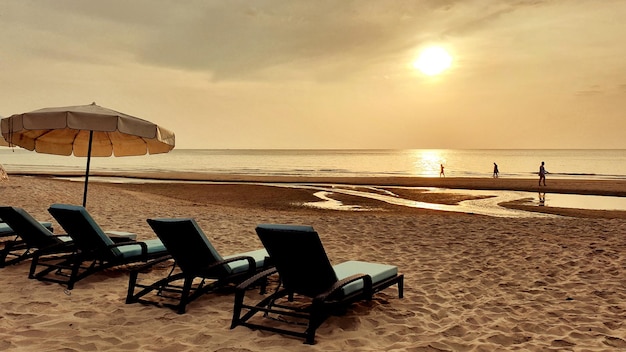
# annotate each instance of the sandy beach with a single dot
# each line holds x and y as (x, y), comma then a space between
(472, 283)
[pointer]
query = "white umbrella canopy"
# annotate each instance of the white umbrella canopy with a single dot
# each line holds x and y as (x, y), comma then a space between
(66, 130)
(85, 130)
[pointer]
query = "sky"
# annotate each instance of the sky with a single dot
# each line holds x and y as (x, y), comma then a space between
(329, 74)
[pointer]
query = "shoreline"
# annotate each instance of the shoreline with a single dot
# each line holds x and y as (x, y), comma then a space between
(224, 189)
(565, 186)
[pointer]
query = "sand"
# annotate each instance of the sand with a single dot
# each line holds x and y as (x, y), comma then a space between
(472, 283)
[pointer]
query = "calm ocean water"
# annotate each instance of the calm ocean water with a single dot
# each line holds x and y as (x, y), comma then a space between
(572, 164)
(588, 164)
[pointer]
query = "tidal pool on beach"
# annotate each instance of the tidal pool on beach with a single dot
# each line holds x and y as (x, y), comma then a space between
(579, 201)
(485, 206)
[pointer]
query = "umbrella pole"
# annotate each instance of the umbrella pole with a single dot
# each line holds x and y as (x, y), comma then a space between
(87, 172)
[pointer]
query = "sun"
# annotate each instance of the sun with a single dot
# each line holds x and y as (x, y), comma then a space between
(433, 61)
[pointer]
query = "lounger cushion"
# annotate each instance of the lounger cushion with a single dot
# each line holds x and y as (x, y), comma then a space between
(6, 230)
(242, 265)
(286, 227)
(210, 247)
(129, 251)
(126, 251)
(94, 226)
(182, 236)
(31, 233)
(378, 272)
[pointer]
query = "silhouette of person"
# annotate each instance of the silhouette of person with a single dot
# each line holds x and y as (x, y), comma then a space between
(542, 174)
(495, 170)
(441, 173)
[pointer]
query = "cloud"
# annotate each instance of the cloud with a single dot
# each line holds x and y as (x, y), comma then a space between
(232, 39)
(240, 39)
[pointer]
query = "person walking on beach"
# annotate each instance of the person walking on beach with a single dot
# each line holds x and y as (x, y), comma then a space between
(495, 170)
(542, 173)
(441, 173)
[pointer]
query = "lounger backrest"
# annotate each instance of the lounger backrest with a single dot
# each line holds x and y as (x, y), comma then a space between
(187, 244)
(30, 230)
(85, 232)
(299, 256)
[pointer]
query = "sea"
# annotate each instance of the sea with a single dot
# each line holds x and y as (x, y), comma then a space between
(517, 163)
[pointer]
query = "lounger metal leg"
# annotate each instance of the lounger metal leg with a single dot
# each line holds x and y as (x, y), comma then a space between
(132, 281)
(316, 318)
(239, 297)
(184, 295)
(33, 266)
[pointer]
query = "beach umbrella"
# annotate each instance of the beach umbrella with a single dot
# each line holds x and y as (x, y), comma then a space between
(85, 130)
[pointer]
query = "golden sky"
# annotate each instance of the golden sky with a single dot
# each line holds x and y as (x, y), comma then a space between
(329, 74)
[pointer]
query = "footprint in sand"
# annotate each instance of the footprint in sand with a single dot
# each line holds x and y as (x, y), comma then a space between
(615, 342)
(562, 343)
(85, 314)
(5, 345)
(456, 331)
(507, 340)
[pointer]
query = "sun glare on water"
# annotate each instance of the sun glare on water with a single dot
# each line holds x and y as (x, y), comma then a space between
(433, 61)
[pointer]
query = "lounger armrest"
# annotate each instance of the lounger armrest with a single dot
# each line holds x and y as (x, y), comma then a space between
(251, 263)
(252, 280)
(143, 245)
(367, 287)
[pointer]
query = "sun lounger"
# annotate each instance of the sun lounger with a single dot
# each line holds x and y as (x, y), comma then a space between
(95, 251)
(194, 258)
(7, 231)
(30, 236)
(307, 276)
